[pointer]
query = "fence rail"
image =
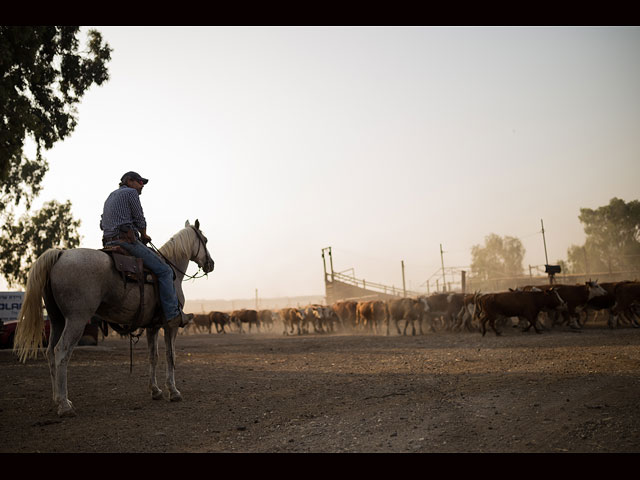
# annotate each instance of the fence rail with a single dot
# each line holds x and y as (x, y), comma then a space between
(474, 284)
(373, 286)
(501, 284)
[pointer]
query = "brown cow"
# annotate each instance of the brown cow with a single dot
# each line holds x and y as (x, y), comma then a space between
(627, 295)
(265, 318)
(291, 317)
(346, 312)
(372, 314)
(329, 320)
(446, 306)
(410, 310)
(219, 319)
(245, 316)
(200, 323)
(526, 304)
(576, 297)
(464, 318)
(323, 318)
(310, 316)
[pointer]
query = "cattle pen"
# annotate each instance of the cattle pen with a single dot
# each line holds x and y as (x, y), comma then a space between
(346, 391)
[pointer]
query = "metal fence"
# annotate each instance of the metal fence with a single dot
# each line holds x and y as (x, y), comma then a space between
(502, 284)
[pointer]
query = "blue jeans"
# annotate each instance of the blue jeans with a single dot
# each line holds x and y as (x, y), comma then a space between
(166, 289)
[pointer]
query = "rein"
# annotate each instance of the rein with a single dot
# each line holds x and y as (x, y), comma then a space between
(133, 342)
(191, 277)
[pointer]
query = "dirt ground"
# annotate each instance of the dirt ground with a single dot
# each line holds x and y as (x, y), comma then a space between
(559, 391)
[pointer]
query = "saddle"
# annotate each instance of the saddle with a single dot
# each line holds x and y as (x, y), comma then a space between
(132, 270)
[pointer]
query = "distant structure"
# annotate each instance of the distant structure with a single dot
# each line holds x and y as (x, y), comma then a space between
(340, 287)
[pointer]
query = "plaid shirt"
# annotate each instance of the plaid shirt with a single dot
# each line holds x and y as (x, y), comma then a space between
(122, 208)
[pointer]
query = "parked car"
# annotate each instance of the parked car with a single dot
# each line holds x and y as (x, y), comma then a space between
(8, 332)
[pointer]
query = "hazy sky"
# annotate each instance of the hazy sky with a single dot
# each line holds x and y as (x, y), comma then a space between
(382, 143)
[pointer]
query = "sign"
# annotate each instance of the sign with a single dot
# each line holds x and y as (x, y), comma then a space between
(10, 304)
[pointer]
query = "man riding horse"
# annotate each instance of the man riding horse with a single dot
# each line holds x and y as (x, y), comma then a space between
(123, 224)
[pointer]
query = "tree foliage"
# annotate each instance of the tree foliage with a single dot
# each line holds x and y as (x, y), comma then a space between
(43, 77)
(499, 257)
(22, 242)
(613, 238)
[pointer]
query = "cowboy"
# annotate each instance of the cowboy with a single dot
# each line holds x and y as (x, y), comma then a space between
(123, 224)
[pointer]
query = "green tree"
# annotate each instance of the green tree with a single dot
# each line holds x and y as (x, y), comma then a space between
(499, 257)
(613, 238)
(43, 76)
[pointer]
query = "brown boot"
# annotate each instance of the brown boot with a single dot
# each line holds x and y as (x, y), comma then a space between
(186, 319)
(180, 320)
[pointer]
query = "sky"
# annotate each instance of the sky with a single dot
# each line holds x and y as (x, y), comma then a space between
(383, 143)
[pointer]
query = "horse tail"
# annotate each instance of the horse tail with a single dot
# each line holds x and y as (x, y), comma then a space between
(30, 326)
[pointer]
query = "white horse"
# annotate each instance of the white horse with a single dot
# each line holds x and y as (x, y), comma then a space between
(81, 283)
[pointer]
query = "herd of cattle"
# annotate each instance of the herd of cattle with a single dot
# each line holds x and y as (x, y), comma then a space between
(562, 304)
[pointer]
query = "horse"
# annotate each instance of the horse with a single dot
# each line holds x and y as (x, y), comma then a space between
(80, 283)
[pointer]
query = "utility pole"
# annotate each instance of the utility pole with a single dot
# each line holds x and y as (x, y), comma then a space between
(444, 285)
(256, 299)
(551, 270)
(404, 287)
(545, 244)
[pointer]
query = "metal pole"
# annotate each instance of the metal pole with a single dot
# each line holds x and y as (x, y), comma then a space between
(551, 275)
(331, 263)
(404, 287)
(442, 261)
(545, 244)
(256, 299)
(324, 265)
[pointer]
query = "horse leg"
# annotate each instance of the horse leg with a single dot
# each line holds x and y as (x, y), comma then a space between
(69, 338)
(56, 320)
(170, 347)
(54, 337)
(152, 344)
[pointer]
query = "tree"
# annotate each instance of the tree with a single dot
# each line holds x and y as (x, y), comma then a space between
(499, 257)
(613, 238)
(22, 242)
(43, 76)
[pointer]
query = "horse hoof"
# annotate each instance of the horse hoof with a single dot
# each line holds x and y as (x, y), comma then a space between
(176, 397)
(156, 395)
(66, 411)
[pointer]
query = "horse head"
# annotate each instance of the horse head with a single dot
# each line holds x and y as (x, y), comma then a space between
(200, 254)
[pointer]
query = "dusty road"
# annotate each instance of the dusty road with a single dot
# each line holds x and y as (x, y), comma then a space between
(559, 391)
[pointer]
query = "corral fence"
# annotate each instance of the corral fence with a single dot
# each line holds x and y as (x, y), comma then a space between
(340, 286)
(502, 284)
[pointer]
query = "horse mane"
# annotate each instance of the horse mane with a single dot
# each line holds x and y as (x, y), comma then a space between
(179, 245)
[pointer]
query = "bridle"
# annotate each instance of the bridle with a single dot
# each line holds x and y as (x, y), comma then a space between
(208, 261)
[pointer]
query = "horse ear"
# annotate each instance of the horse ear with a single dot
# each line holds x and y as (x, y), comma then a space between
(197, 224)
(186, 224)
